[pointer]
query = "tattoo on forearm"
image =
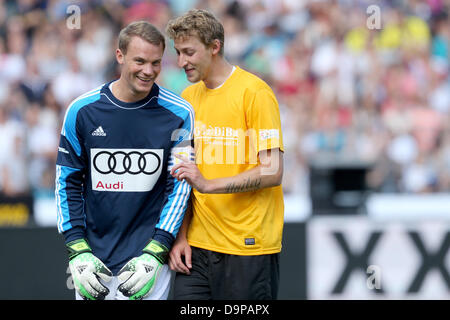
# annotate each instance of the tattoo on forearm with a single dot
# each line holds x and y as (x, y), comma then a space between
(248, 185)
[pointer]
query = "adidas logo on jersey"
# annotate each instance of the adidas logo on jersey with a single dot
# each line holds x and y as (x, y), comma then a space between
(99, 132)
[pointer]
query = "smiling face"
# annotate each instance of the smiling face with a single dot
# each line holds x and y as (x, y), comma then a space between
(141, 65)
(194, 57)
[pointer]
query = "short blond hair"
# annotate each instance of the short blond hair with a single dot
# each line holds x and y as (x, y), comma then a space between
(142, 29)
(200, 23)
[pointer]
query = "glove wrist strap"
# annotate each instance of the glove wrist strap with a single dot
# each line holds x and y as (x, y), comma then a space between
(76, 247)
(158, 250)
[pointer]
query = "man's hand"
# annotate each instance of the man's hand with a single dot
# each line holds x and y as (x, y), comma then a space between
(179, 249)
(86, 271)
(187, 170)
(139, 275)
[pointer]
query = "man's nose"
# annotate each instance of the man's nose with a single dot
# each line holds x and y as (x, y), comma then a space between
(182, 61)
(148, 69)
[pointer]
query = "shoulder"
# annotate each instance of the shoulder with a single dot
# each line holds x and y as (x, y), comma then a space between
(258, 96)
(78, 103)
(86, 98)
(191, 91)
(252, 83)
(174, 103)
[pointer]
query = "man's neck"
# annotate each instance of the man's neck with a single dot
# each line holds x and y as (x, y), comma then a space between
(122, 92)
(219, 73)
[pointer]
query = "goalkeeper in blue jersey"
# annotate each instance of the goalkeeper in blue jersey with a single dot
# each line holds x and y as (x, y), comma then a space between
(119, 209)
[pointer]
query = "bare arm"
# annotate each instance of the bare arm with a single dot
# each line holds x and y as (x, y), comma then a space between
(267, 174)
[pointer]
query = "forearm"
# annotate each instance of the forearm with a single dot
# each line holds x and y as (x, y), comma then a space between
(69, 201)
(249, 180)
(170, 221)
(268, 173)
(182, 232)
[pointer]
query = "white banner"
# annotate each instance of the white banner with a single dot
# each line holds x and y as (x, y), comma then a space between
(353, 257)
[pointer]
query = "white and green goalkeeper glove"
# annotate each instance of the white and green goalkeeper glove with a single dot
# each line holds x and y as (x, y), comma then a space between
(86, 271)
(139, 275)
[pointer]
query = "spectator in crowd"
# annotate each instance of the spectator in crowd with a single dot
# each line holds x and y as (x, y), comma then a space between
(347, 92)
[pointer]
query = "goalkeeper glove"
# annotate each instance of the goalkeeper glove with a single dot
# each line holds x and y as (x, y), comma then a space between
(140, 274)
(86, 271)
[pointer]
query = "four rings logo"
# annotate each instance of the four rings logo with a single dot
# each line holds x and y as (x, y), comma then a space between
(132, 170)
(126, 161)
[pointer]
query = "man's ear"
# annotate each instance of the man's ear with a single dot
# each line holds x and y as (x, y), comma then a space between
(119, 56)
(216, 46)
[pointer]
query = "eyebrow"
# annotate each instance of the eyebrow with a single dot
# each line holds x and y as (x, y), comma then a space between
(185, 49)
(144, 60)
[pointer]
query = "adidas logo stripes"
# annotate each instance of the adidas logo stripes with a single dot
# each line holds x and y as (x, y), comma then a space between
(99, 132)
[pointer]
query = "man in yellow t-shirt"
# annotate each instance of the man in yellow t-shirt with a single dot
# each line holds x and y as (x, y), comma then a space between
(230, 238)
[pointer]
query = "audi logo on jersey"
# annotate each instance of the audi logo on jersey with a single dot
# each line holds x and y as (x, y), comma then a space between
(125, 170)
(127, 161)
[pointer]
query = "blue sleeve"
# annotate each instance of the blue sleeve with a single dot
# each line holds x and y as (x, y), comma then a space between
(177, 192)
(70, 170)
(69, 202)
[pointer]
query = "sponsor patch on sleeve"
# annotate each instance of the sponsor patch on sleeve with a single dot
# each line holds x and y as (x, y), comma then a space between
(187, 152)
(266, 134)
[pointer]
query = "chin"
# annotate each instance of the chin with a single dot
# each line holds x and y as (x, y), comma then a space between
(140, 91)
(139, 87)
(194, 78)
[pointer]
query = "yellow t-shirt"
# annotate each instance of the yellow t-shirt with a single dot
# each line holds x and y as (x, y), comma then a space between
(232, 124)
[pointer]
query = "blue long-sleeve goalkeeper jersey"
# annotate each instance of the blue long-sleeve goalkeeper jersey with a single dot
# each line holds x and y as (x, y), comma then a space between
(113, 184)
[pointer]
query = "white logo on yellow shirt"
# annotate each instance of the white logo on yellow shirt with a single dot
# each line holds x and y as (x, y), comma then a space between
(227, 145)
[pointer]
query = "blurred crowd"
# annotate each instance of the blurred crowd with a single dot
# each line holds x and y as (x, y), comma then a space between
(358, 82)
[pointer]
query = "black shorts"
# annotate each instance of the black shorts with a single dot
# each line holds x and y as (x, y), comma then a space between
(220, 276)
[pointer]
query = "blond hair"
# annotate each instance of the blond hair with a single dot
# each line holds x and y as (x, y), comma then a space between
(142, 29)
(200, 23)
